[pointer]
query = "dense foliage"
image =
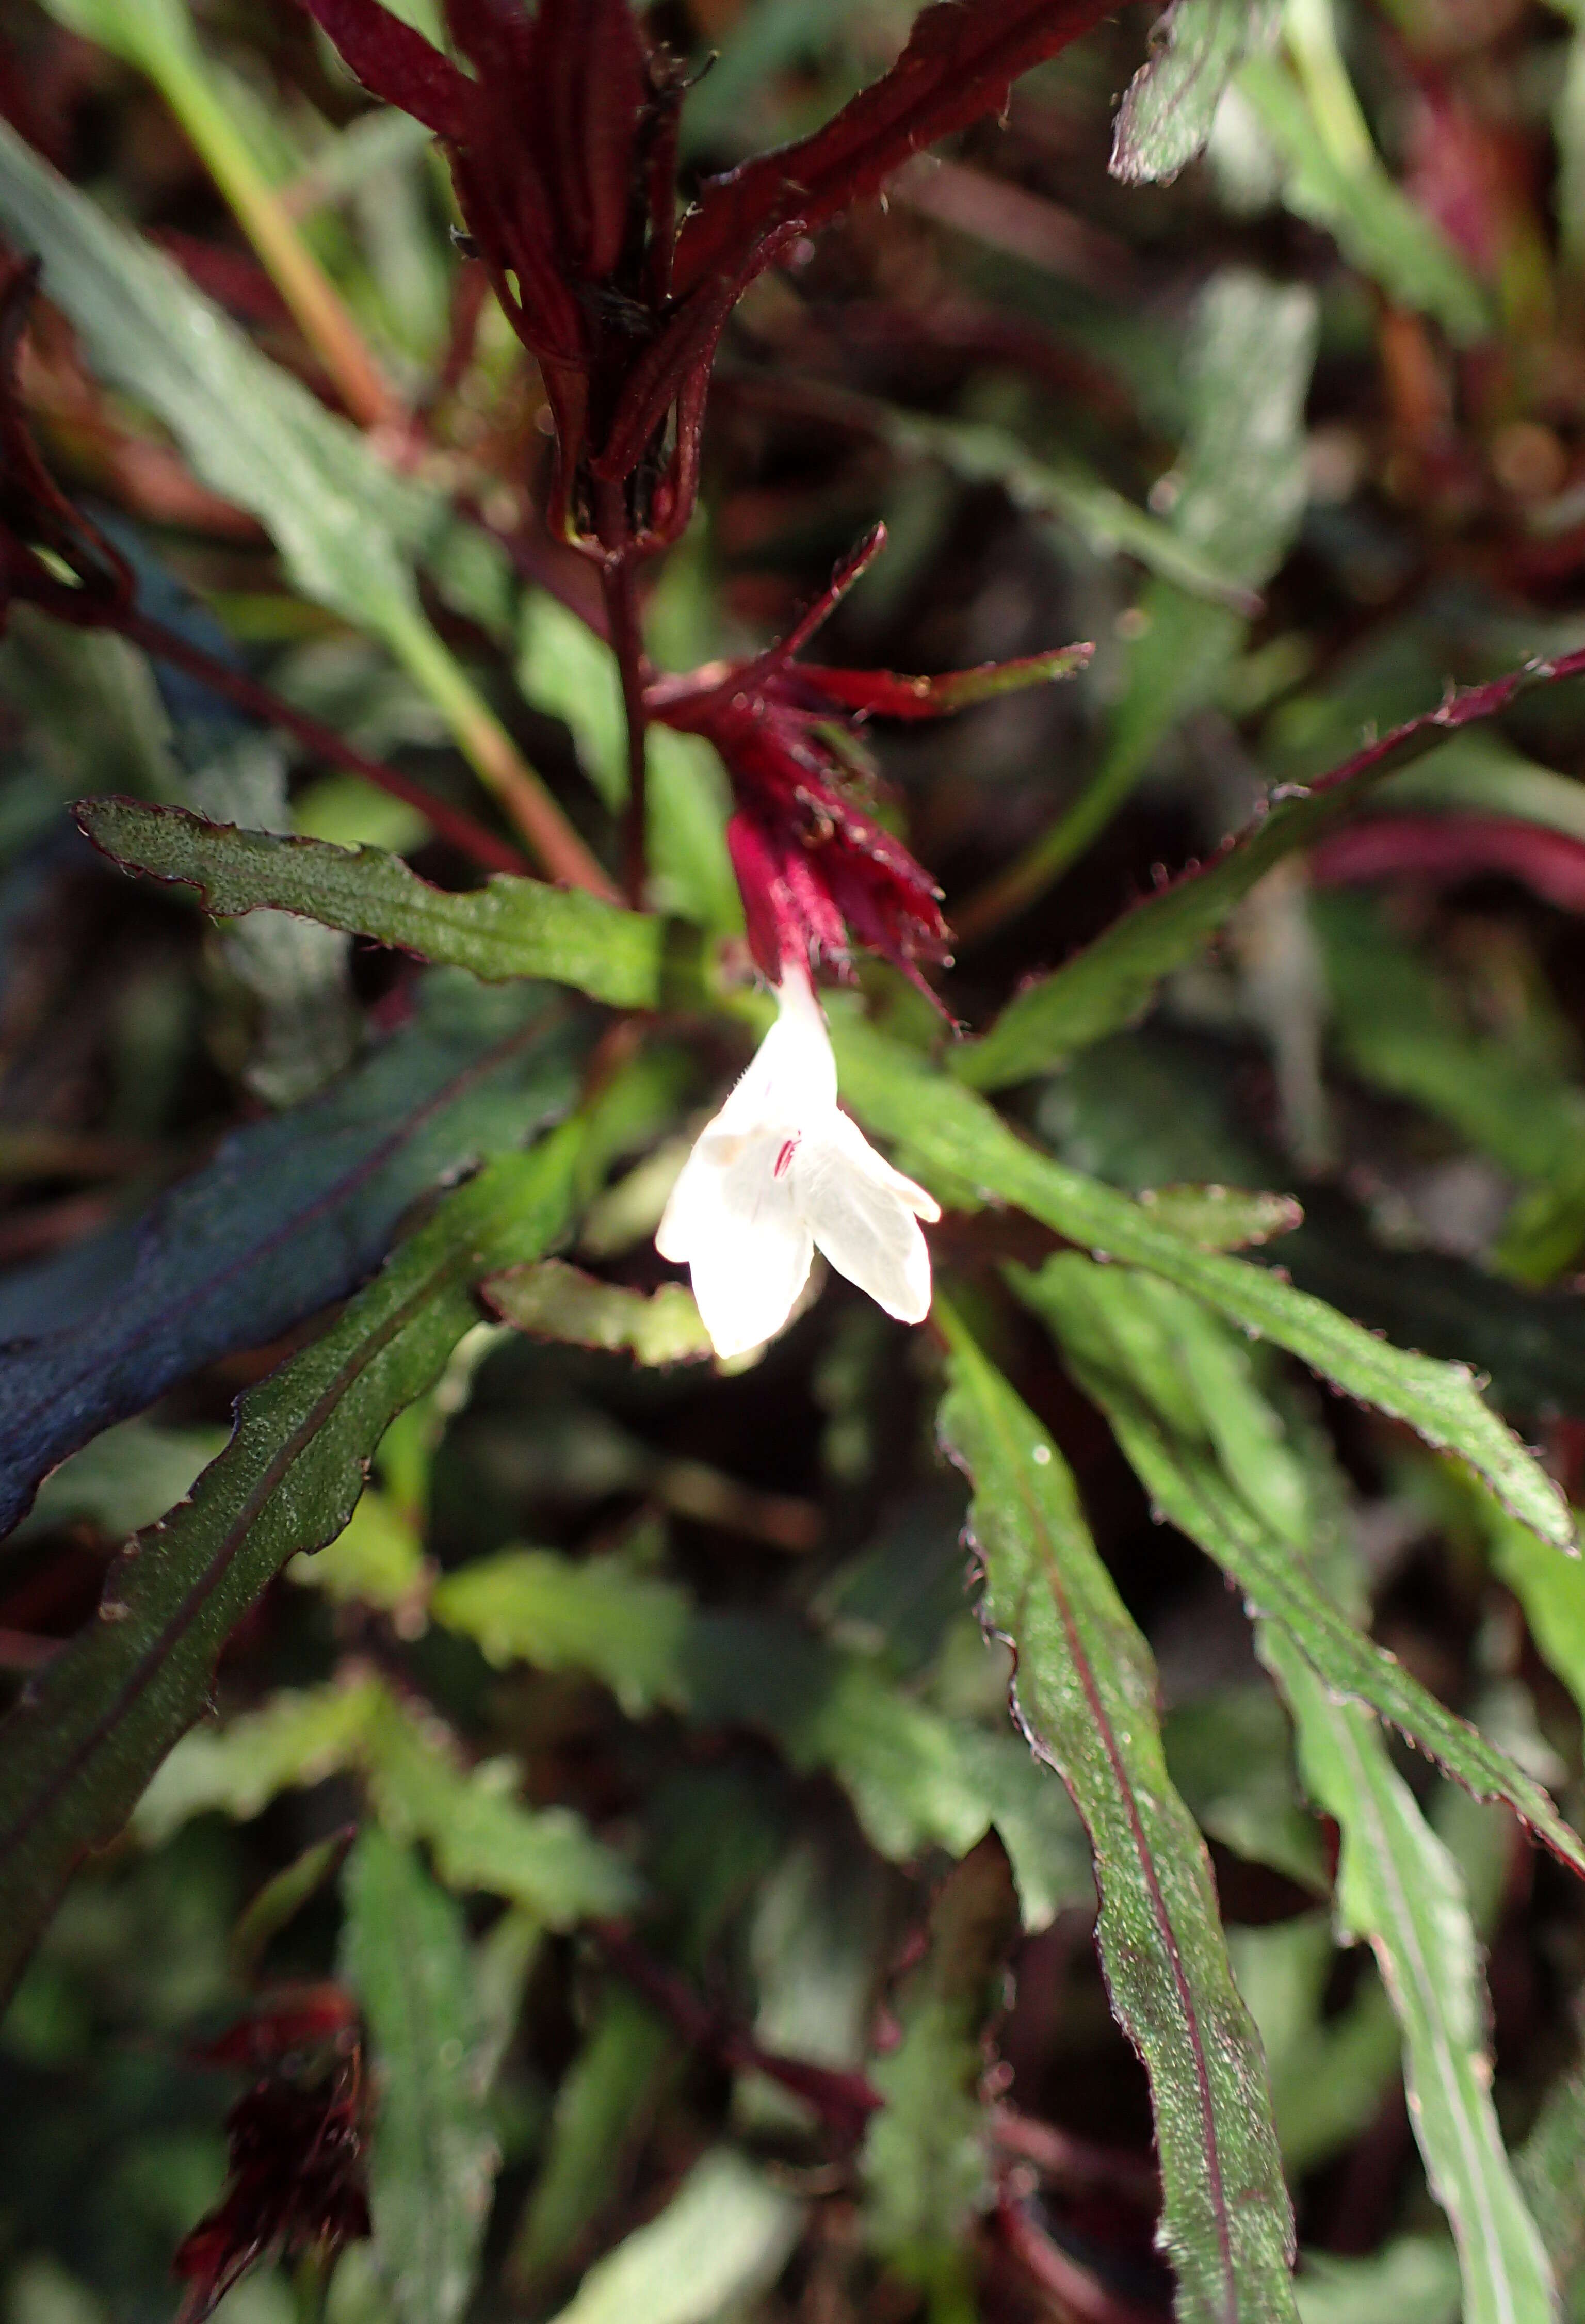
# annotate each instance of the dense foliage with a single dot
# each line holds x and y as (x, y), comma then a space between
(518, 1795)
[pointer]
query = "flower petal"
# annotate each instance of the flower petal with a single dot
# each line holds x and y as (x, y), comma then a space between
(754, 1258)
(861, 1212)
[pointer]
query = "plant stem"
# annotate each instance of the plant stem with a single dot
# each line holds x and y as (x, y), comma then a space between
(301, 280)
(495, 758)
(621, 613)
(472, 838)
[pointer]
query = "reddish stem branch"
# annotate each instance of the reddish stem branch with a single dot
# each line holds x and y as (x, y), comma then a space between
(618, 583)
(472, 838)
(843, 2101)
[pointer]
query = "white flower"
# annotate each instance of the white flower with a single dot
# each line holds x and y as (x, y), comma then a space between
(780, 1172)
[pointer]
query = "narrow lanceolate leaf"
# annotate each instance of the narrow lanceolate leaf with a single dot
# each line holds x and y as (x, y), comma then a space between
(405, 1953)
(1086, 1692)
(1186, 1482)
(1192, 1494)
(97, 1721)
(1222, 1218)
(288, 1214)
(511, 927)
(1375, 224)
(1168, 107)
(955, 1143)
(347, 525)
(1398, 1889)
(957, 66)
(1105, 987)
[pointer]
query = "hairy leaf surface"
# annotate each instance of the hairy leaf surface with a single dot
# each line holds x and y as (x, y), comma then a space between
(1086, 1692)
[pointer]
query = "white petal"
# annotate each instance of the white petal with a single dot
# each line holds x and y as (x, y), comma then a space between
(792, 1074)
(862, 1215)
(749, 1250)
(690, 1205)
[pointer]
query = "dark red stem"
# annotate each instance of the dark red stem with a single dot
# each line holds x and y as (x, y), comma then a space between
(619, 585)
(469, 838)
(843, 2101)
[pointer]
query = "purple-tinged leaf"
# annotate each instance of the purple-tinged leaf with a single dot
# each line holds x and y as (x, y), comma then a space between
(290, 1214)
(958, 65)
(1086, 1699)
(97, 1720)
(395, 63)
(1443, 849)
(1105, 987)
(882, 693)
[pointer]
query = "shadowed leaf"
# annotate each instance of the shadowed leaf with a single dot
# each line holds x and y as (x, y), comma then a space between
(290, 1214)
(723, 2237)
(405, 1953)
(96, 1722)
(1107, 985)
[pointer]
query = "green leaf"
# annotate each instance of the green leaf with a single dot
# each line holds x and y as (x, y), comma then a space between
(1222, 1218)
(1086, 1689)
(298, 1737)
(480, 1833)
(377, 1559)
(433, 2159)
(1330, 2072)
(722, 2239)
(601, 2111)
(953, 1141)
(1549, 2173)
(926, 2159)
(1351, 196)
(554, 1301)
(348, 528)
(511, 927)
(97, 1721)
(1239, 494)
(483, 1838)
(565, 670)
(1398, 1889)
(979, 454)
(916, 1779)
(1413, 2280)
(1186, 1482)
(1110, 983)
(1168, 107)
(128, 1476)
(1552, 1590)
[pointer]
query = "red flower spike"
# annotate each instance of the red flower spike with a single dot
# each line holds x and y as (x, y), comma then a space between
(297, 2142)
(815, 870)
(38, 523)
(562, 141)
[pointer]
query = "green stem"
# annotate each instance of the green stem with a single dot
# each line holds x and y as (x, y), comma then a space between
(495, 758)
(178, 70)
